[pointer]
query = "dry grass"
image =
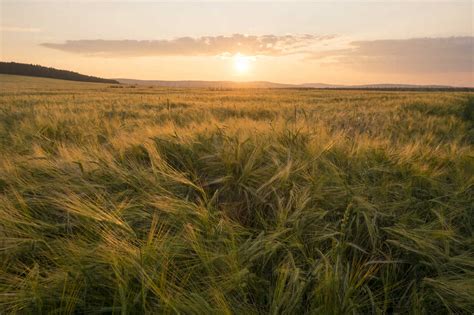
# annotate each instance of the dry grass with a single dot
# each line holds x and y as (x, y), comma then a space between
(149, 200)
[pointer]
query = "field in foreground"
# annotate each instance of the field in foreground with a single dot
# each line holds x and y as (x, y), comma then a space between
(150, 200)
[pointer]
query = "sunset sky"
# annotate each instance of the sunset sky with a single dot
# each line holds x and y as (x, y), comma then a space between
(338, 42)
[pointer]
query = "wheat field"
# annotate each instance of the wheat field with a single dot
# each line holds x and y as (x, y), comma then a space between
(145, 200)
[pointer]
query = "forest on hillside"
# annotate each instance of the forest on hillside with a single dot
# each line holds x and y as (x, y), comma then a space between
(48, 72)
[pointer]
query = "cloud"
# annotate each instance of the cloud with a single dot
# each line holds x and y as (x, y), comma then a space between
(417, 55)
(17, 29)
(270, 45)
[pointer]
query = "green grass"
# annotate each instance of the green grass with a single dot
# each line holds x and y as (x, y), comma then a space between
(194, 201)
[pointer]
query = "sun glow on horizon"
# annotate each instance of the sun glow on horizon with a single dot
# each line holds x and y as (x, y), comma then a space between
(242, 64)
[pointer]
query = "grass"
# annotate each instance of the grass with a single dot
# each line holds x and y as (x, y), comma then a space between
(197, 201)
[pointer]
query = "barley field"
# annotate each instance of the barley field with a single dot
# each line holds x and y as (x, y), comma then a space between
(147, 200)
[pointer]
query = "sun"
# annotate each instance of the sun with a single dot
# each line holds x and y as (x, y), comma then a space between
(242, 63)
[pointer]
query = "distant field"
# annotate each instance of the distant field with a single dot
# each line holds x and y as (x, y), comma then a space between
(120, 199)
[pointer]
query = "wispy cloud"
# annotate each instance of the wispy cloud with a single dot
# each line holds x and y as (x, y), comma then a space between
(448, 54)
(269, 45)
(19, 29)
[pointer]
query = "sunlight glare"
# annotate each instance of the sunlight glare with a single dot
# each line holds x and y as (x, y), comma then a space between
(242, 63)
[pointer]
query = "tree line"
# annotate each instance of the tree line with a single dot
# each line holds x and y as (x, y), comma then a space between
(48, 72)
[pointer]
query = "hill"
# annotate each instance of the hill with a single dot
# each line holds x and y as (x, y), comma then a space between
(206, 84)
(273, 85)
(48, 72)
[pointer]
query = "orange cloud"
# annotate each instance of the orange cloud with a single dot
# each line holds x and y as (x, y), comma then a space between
(416, 55)
(273, 45)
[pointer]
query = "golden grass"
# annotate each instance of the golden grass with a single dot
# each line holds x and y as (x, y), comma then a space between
(155, 200)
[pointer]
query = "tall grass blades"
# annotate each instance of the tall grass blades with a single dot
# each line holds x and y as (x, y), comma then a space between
(195, 201)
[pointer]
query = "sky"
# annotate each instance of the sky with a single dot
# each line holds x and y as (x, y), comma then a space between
(336, 42)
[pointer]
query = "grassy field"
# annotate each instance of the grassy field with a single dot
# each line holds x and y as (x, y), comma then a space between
(196, 201)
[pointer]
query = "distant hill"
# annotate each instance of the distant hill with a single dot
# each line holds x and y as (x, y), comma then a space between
(47, 72)
(272, 85)
(206, 84)
(374, 86)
